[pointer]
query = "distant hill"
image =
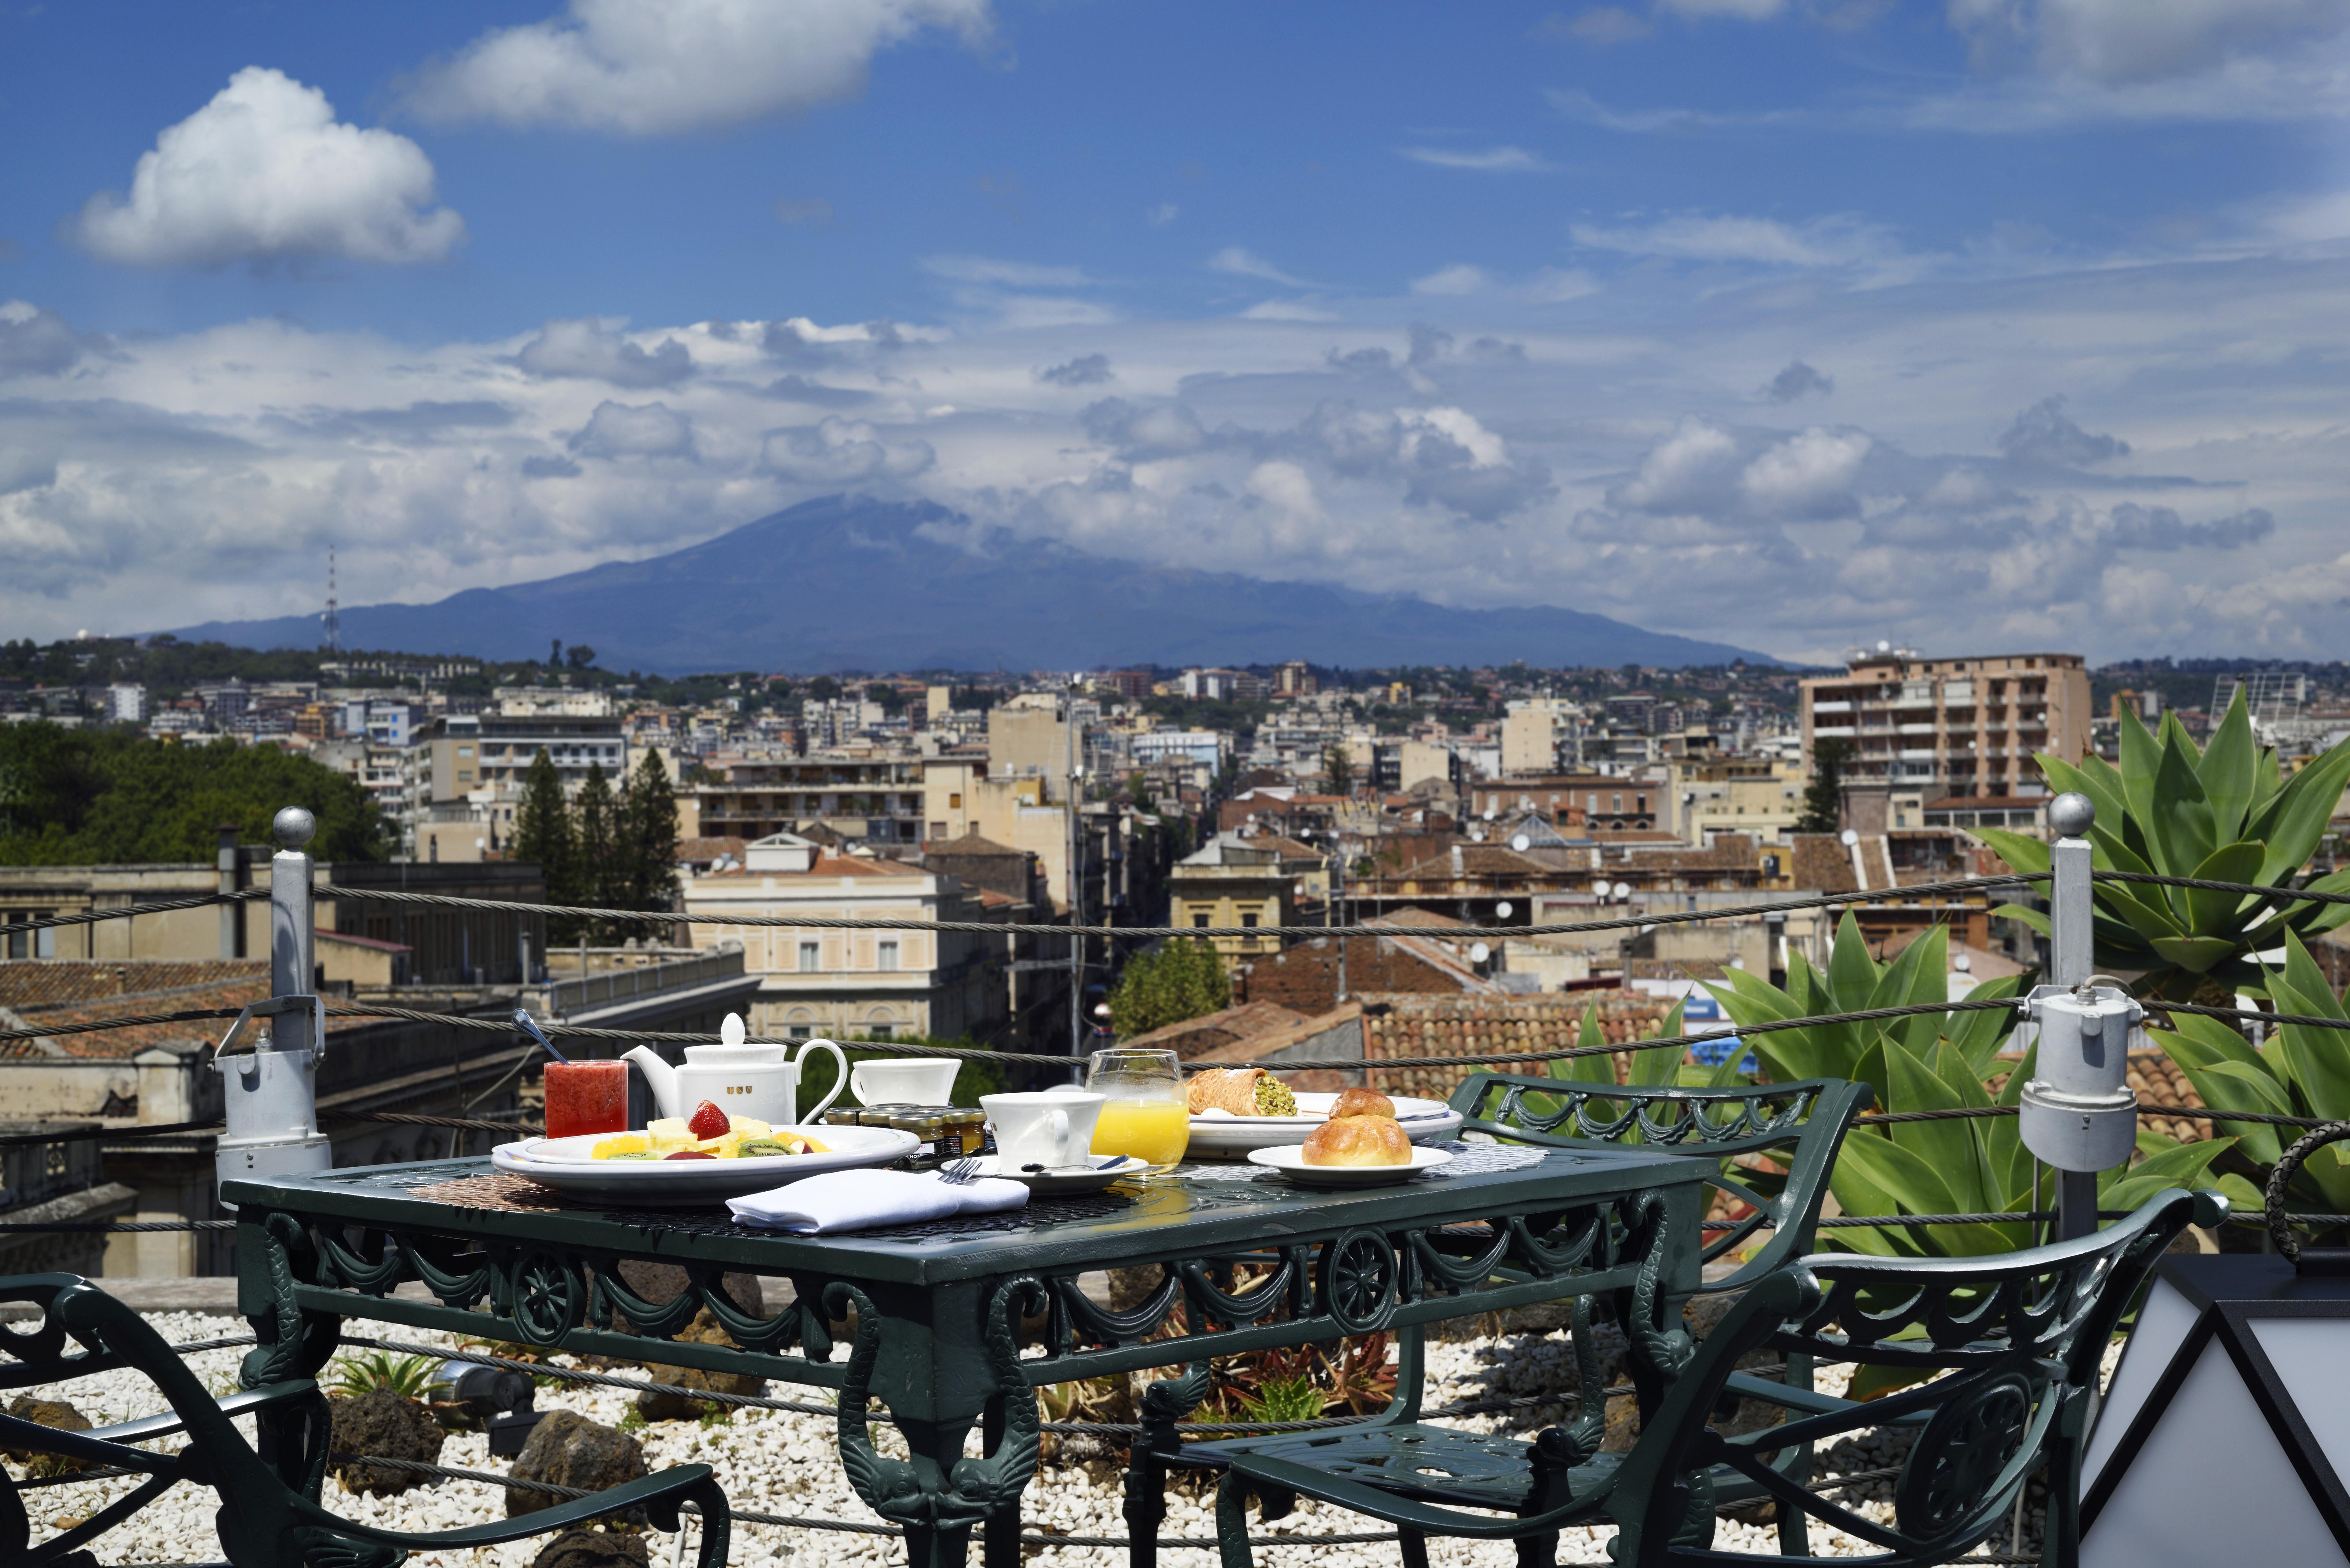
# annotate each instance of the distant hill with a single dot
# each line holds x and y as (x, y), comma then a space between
(851, 583)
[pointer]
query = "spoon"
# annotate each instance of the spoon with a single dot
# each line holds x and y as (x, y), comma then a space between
(529, 1025)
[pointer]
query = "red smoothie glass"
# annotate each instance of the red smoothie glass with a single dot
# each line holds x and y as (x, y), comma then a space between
(587, 1097)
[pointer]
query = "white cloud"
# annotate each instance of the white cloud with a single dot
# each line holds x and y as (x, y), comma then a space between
(1556, 286)
(657, 68)
(1164, 213)
(1601, 25)
(265, 171)
(2115, 42)
(586, 350)
(1689, 471)
(1833, 242)
(622, 430)
(1809, 477)
(1308, 308)
(1458, 278)
(1009, 274)
(1490, 159)
(842, 451)
(1739, 10)
(1241, 263)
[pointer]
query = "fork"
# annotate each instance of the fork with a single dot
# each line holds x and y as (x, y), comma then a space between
(955, 1172)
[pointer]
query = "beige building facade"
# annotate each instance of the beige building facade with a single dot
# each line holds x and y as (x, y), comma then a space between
(1930, 728)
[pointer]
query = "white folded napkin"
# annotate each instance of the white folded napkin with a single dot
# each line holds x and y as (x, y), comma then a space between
(841, 1200)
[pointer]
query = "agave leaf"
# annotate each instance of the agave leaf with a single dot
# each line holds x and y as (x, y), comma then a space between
(2179, 828)
(1967, 1088)
(2228, 767)
(1586, 1069)
(1852, 972)
(1841, 1043)
(1915, 979)
(1947, 1145)
(2184, 1164)
(2196, 955)
(2198, 1041)
(2315, 920)
(2208, 913)
(2141, 760)
(2293, 822)
(2330, 1173)
(2312, 993)
(2029, 857)
(2229, 1086)
(2003, 1135)
(1652, 1069)
(2141, 904)
(2036, 919)
(2173, 733)
(1916, 1187)
(1977, 1036)
(2104, 788)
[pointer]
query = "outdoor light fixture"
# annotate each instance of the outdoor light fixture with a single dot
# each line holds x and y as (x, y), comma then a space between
(2225, 1435)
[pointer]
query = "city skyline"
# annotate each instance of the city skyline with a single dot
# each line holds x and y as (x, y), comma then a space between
(1783, 325)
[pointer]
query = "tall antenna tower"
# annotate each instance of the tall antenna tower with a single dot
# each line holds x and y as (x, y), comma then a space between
(334, 613)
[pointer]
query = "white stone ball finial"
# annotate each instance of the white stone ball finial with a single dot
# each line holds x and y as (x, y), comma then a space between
(2071, 813)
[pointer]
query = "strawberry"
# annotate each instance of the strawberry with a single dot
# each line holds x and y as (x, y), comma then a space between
(708, 1121)
(689, 1152)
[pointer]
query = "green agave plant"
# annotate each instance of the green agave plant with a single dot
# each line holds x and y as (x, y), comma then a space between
(2224, 814)
(2303, 1071)
(407, 1375)
(1930, 1061)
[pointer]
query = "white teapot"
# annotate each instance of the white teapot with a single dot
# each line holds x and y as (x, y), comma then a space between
(741, 1078)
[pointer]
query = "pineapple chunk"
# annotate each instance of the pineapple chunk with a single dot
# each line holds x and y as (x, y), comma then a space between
(669, 1134)
(624, 1143)
(746, 1127)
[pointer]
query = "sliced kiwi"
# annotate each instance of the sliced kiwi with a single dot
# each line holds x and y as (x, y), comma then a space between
(764, 1147)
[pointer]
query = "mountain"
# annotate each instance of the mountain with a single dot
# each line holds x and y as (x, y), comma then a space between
(850, 583)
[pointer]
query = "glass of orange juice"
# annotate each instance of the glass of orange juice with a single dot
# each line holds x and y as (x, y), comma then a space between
(1144, 1112)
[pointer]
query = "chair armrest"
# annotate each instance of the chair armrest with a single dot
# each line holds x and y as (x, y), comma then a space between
(147, 1427)
(1370, 1501)
(670, 1487)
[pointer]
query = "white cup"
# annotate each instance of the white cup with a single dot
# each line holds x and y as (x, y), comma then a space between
(1054, 1128)
(904, 1081)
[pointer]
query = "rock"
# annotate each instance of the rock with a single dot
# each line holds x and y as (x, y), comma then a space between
(593, 1549)
(566, 1448)
(385, 1425)
(703, 1330)
(58, 1417)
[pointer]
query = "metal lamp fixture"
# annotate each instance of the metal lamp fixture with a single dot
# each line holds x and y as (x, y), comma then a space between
(2225, 1435)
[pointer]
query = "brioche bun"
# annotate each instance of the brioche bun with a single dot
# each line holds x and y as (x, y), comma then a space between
(1357, 1140)
(1363, 1103)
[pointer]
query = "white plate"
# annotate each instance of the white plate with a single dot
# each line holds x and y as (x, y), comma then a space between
(1106, 1168)
(1232, 1138)
(1290, 1160)
(565, 1165)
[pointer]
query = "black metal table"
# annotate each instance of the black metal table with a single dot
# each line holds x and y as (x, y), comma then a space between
(951, 1325)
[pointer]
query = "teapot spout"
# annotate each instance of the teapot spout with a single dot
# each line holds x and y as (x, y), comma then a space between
(661, 1076)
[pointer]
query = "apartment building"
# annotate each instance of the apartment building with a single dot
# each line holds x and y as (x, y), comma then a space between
(1759, 796)
(877, 799)
(1586, 802)
(1233, 882)
(1925, 729)
(854, 985)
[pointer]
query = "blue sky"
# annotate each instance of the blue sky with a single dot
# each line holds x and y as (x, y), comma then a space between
(1788, 322)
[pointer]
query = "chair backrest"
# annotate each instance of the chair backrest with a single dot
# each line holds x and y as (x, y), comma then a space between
(1805, 1122)
(2004, 1350)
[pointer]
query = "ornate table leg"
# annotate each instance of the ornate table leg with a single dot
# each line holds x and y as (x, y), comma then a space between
(292, 1343)
(1164, 1403)
(937, 1494)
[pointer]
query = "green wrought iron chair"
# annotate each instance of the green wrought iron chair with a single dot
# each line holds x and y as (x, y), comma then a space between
(1805, 1120)
(2008, 1346)
(269, 1515)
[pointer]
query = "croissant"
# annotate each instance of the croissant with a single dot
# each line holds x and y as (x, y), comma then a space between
(1230, 1089)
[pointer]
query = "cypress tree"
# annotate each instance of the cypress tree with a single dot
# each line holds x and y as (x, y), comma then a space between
(543, 837)
(649, 836)
(599, 812)
(1823, 799)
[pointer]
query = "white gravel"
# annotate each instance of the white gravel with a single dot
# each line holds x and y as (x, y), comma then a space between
(776, 1462)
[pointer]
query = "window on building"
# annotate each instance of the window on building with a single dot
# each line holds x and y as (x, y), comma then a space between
(954, 803)
(811, 957)
(882, 1031)
(1249, 918)
(1639, 803)
(1199, 919)
(938, 830)
(801, 1032)
(888, 955)
(1619, 802)
(465, 750)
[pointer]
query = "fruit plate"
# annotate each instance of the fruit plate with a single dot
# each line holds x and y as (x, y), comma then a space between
(1221, 1137)
(564, 1165)
(1106, 1168)
(1290, 1160)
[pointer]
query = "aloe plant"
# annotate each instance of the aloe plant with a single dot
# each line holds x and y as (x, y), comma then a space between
(406, 1375)
(2220, 814)
(1930, 1062)
(2303, 1071)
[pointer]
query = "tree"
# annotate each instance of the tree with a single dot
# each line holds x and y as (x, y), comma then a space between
(649, 838)
(543, 837)
(598, 813)
(87, 797)
(581, 656)
(1338, 769)
(1823, 799)
(1183, 977)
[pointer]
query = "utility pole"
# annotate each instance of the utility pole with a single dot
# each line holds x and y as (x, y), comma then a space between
(271, 1092)
(1338, 895)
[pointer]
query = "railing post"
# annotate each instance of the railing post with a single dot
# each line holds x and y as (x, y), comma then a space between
(2078, 1113)
(232, 916)
(271, 1094)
